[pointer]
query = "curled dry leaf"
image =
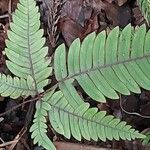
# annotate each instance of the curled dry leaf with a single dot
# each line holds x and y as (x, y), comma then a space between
(77, 20)
(72, 9)
(117, 15)
(70, 30)
(138, 17)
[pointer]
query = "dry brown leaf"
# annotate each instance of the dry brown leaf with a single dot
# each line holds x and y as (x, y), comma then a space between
(4, 6)
(73, 146)
(77, 20)
(70, 30)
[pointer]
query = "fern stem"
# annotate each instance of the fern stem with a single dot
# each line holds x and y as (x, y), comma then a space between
(132, 113)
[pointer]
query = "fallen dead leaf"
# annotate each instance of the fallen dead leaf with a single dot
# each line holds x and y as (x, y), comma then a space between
(70, 30)
(73, 146)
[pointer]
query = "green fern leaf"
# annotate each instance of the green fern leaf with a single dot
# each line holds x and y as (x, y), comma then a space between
(25, 51)
(15, 87)
(39, 126)
(105, 64)
(146, 141)
(145, 8)
(79, 122)
(86, 122)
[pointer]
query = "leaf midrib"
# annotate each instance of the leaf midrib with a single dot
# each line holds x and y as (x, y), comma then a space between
(39, 129)
(90, 120)
(29, 50)
(16, 87)
(102, 67)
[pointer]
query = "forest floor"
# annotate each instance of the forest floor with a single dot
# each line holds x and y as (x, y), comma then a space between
(72, 19)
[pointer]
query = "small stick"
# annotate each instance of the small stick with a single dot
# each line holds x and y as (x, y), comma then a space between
(7, 143)
(9, 10)
(19, 105)
(4, 16)
(131, 113)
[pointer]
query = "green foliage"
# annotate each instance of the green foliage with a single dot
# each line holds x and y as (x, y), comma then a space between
(39, 127)
(146, 141)
(86, 122)
(25, 51)
(103, 65)
(15, 87)
(145, 8)
(79, 122)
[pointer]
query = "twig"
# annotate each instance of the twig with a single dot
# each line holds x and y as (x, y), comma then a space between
(4, 16)
(29, 114)
(2, 140)
(17, 138)
(24, 143)
(19, 105)
(132, 113)
(7, 143)
(9, 10)
(15, 141)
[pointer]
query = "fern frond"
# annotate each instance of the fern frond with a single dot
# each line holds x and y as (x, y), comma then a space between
(79, 122)
(86, 122)
(145, 8)
(25, 50)
(39, 126)
(105, 64)
(146, 140)
(16, 87)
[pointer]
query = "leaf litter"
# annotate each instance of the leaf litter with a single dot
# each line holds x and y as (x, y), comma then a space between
(64, 21)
